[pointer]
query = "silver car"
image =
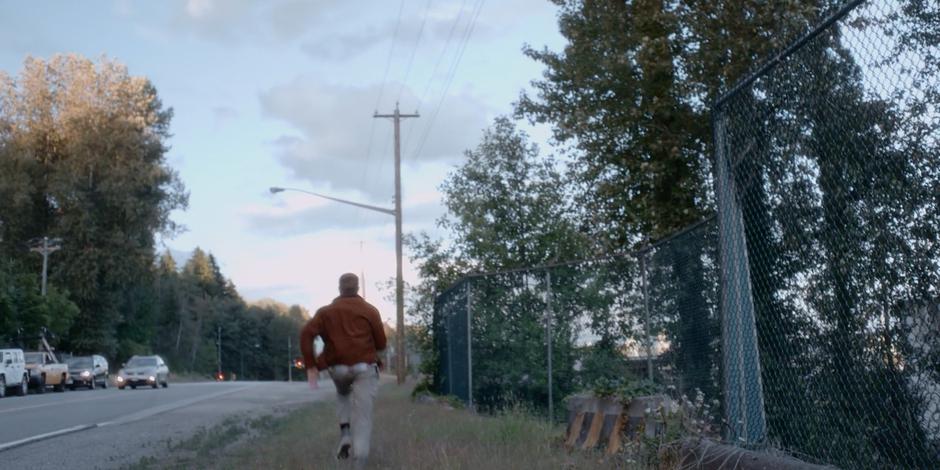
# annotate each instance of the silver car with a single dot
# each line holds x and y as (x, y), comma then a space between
(88, 371)
(143, 370)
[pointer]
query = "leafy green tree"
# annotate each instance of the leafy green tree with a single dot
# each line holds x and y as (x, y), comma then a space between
(628, 99)
(24, 313)
(84, 147)
(507, 208)
(840, 214)
(617, 106)
(82, 153)
(622, 104)
(507, 204)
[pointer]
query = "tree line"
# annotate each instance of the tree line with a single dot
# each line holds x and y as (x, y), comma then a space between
(83, 159)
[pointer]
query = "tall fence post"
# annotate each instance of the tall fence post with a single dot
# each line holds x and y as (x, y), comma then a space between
(469, 349)
(450, 354)
(548, 334)
(646, 315)
(744, 398)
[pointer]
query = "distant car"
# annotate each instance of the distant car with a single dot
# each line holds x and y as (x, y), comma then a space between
(13, 373)
(45, 370)
(88, 371)
(143, 370)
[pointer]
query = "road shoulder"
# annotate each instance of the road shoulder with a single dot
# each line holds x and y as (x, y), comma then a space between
(156, 437)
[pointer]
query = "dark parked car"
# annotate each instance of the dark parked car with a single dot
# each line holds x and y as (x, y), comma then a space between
(88, 371)
(143, 370)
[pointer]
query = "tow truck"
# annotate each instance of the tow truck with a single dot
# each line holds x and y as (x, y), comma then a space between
(45, 369)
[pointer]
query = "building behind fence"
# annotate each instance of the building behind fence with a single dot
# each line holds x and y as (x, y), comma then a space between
(807, 306)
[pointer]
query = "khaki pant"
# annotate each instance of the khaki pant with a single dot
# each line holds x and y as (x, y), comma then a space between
(356, 387)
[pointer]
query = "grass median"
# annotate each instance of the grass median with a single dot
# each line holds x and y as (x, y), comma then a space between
(407, 435)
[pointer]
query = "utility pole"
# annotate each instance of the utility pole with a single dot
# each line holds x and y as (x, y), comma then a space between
(290, 363)
(397, 116)
(548, 336)
(644, 267)
(218, 347)
(47, 248)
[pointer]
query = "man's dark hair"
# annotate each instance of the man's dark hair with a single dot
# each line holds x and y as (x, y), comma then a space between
(348, 284)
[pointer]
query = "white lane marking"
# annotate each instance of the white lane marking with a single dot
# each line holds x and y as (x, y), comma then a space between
(69, 402)
(168, 407)
(137, 416)
(52, 403)
(48, 435)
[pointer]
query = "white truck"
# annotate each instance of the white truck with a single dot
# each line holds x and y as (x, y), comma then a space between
(13, 373)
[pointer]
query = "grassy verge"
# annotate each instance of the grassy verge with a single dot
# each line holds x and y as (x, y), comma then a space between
(407, 435)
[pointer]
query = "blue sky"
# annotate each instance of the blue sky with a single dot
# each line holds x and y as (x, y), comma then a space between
(281, 93)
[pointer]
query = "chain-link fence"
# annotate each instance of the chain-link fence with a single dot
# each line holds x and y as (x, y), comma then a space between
(829, 167)
(809, 306)
(650, 315)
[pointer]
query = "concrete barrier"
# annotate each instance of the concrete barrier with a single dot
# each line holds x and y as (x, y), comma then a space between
(603, 423)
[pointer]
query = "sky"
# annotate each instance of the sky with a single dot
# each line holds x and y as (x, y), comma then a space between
(282, 93)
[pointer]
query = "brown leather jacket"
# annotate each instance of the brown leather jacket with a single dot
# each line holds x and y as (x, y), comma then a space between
(351, 330)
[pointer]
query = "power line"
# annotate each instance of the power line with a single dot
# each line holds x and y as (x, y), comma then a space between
(391, 50)
(404, 81)
(414, 50)
(378, 100)
(437, 63)
(461, 48)
(452, 72)
(388, 144)
(440, 57)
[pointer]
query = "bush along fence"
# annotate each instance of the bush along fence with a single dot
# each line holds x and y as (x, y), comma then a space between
(806, 307)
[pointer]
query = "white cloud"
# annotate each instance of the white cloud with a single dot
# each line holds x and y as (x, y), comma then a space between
(123, 8)
(198, 8)
(332, 148)
(446, 21)
(304, 269)
(253, 20)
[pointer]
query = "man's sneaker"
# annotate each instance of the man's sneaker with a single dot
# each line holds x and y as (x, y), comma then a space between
(342, 452)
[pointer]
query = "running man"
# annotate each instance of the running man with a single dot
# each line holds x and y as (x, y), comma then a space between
(353, 337)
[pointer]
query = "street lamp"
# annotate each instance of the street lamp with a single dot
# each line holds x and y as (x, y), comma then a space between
(399, 283)
(275, 190)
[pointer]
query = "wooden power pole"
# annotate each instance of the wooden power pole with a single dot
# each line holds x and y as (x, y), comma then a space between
(46, 248)
(399, 283)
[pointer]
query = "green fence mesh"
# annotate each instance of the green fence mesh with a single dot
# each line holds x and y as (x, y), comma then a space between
(833, 155)
(808, 307)
(650, 315)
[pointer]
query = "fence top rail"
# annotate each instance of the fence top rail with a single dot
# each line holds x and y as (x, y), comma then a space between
(608, 256)
(782, 55)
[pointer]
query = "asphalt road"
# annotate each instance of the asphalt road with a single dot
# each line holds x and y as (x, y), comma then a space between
(113, 428)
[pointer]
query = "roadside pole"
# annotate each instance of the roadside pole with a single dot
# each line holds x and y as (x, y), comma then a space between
(218, 348)
(47, 248)
(469, 349)
(648, 329)
(548, 334)
(400, 352)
